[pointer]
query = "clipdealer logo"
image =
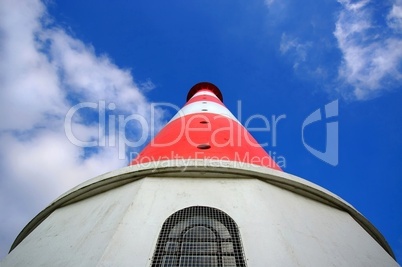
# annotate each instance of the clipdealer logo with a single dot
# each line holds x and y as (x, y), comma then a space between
(329, 113)
(112, 128)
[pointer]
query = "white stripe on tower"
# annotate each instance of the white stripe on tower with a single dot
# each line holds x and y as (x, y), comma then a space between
(204, 107)
(204, 92)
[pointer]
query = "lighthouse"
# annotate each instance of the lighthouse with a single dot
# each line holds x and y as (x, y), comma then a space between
(202, 193)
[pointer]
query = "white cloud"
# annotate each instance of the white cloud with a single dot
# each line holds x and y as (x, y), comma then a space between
(372, 54)
(394, 18)
(355, 5)
(42, 69)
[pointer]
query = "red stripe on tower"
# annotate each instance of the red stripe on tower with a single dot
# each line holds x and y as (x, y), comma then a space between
(205, 129)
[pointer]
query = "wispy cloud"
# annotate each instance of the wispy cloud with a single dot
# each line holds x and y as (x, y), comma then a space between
(269, 2)
(294, 48)
(372, 54)
(43, 72)
(394, 18)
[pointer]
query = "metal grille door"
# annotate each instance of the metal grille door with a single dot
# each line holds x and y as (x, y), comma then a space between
(199, 237)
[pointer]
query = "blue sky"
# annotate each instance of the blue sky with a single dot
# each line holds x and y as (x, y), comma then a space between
(278, 58)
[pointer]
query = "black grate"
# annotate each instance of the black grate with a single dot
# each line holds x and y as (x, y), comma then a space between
(199, 237)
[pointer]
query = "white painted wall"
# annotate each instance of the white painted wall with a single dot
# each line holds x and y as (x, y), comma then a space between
(120, 227)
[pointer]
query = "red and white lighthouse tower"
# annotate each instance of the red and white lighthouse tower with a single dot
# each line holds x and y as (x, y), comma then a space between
(205, 129)
(202, 193)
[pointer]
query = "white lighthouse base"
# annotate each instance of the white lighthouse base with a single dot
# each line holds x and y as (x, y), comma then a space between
(283, 220)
